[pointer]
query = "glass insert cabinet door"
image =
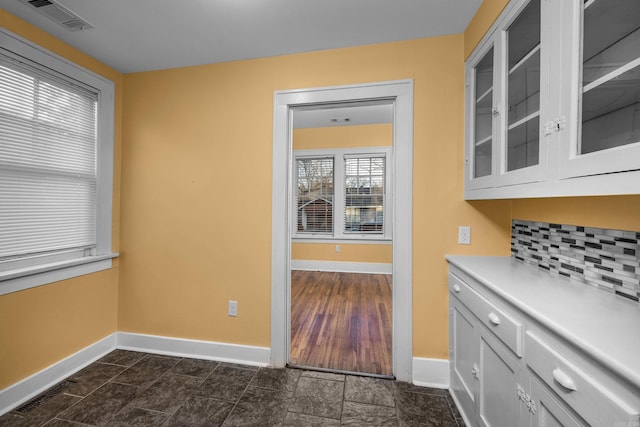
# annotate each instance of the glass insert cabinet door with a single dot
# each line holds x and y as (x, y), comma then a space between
(483, 117)
(608, 113)
(610, 75)
(504, 101)
(523, 89)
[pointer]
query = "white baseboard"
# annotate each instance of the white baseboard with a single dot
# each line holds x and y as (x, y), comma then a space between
(342, 266)
(431, 372)
(426, 372)
(181, 347)
(26, 389)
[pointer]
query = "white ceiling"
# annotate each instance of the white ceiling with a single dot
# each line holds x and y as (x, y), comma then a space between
(142, 35)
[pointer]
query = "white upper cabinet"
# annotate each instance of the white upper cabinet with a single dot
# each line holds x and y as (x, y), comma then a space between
(480, 163)
(553, 94)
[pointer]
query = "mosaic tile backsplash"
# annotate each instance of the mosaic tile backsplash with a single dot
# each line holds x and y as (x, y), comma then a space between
(607, 259)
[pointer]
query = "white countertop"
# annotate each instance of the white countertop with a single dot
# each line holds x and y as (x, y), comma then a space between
(605, 325)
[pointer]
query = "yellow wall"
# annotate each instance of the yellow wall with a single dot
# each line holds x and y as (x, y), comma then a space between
(348, 252)
(196, 195)
(373, 135)
(481, 22)
(43, 325)
(615, 212)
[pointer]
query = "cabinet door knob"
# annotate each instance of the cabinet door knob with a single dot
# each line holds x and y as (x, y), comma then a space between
(495, 111)
(456, 288)
(493, 318)
(564, 380)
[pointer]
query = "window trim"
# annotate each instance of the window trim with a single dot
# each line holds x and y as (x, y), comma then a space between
(339, 155)
(38, 274)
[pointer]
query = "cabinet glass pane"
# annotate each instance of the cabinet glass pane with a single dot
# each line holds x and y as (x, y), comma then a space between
(523, 88)
(524, 33)
(484, 74)
(611, 113)
(482, 159)
(611, 36)
(523, 145)
(483, 118)
(611, 75)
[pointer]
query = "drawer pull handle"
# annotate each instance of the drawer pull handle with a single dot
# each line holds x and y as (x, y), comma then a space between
(456, 288)
(493, 318)
(564, 380)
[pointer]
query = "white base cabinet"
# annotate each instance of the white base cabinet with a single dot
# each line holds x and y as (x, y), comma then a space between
(509, 370)
(497, 384)
(545, 410)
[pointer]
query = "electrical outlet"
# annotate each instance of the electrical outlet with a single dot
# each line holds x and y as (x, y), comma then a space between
(337, 248)
(464, 235)
(233, 308)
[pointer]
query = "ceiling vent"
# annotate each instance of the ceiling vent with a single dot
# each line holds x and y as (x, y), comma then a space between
(60, 14)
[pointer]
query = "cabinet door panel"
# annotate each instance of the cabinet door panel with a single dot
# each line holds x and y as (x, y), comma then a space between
(498, 403)
(525, 91)
(607, 116)
(548, 411)
(465, 350)
(481, 119)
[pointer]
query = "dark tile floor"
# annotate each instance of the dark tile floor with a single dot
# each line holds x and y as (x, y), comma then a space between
(127, 388)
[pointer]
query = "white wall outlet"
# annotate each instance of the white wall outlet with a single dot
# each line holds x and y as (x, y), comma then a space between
(233, 308)
(464, 235)
(337, 248)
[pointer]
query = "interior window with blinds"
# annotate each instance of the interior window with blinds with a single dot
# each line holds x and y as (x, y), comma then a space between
(364, 195)
(314, 204)
(342, 193)
(48, 138)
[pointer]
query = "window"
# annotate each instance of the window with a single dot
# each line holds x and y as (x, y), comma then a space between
(315, 195)
(342, 194)
(56, 162)
(364, 195)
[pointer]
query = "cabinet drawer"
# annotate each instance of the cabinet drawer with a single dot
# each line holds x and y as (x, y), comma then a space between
(597, 405)
(502, 325)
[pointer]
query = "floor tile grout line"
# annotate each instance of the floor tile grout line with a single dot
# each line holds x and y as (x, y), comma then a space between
(344, 389)
(235, 404)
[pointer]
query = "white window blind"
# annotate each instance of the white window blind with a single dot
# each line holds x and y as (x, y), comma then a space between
(314, 204)
(48, 139)
(364, 194)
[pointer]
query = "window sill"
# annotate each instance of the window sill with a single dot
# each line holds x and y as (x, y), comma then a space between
(30, 277)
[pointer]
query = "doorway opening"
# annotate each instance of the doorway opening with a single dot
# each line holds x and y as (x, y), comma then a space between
(341, 231)
(288, 221)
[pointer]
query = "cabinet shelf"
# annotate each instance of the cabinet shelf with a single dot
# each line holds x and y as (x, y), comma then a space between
(524, 120)
(526, 58)
(484, 141)
(484, 96)
(632, 69)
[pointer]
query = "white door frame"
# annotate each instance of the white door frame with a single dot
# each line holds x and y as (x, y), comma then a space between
(402, 93)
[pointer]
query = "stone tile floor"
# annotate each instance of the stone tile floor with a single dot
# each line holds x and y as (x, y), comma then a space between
(127, 388)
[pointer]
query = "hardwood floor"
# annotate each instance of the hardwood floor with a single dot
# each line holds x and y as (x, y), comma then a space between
(341, 321)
